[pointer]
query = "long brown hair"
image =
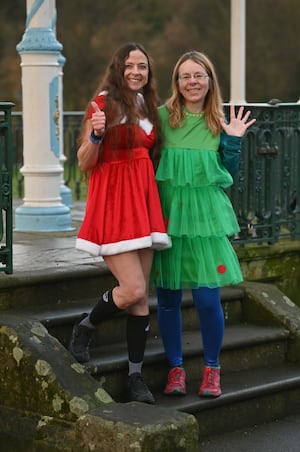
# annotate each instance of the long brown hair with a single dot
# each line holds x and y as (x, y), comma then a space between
(119, 101)
(213, 106)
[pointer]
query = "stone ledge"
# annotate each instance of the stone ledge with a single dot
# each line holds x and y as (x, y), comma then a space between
(41, 383)
(266, 304)
(136, 426)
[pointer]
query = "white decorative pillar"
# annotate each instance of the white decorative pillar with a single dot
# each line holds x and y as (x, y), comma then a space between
(42, 209)
(237, 52)
(65, 192)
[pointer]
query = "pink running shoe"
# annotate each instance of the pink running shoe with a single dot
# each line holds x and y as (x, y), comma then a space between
(176, 382)
(210, 386)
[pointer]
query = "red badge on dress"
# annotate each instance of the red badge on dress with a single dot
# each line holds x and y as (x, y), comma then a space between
(221, 269)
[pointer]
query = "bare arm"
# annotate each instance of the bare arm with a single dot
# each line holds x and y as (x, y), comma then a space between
(88, 153)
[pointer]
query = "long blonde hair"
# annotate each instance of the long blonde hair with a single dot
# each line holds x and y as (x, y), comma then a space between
(213, 104)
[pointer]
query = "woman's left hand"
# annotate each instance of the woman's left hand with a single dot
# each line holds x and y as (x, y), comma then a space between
(238, 123)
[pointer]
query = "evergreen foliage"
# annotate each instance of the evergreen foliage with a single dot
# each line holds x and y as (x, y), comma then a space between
(91, 31)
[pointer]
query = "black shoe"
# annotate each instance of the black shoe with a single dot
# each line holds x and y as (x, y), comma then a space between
(138, 390)
(80, 341)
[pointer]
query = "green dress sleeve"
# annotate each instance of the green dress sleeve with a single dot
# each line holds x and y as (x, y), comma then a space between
(230, 152)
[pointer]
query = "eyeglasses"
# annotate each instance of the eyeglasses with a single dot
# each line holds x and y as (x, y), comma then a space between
(188, 77)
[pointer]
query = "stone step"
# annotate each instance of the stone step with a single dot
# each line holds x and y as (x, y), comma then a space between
(244, 347)
(250, 397)
(59, 317)
(41, 288)
(257, 381)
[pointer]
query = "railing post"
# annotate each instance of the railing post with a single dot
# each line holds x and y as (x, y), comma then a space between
(6, 223)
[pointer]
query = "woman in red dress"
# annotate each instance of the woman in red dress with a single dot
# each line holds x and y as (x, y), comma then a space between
(120, 149)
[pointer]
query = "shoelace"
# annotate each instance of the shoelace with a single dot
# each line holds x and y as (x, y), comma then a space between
(212, 377)
(175, 377)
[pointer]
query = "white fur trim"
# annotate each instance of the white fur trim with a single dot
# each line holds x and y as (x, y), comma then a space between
(146, 125)
(157, 240)
(160, 241)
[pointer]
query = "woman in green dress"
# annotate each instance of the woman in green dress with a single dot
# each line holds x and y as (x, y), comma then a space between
(199, 158)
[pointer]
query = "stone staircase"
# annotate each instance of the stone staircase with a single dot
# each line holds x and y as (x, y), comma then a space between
(260, 369)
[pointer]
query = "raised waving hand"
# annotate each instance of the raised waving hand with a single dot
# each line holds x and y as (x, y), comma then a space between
(238, 124)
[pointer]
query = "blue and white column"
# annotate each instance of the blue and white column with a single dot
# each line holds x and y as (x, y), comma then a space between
(65, 192)
(42, 208)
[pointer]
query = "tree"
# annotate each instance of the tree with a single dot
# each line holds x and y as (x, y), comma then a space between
(90, 32)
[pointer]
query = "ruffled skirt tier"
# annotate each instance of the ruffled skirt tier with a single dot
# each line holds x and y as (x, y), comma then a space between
(200, 218)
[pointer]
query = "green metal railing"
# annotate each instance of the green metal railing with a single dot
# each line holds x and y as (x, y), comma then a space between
(265, 194)
(6, 158)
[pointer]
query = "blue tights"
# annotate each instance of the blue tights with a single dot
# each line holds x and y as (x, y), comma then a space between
(211, 321)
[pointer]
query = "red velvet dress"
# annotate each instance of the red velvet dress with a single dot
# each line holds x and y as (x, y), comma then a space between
(123, 211)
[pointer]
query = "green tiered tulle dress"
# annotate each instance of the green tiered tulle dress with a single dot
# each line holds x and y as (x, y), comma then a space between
(198, 213)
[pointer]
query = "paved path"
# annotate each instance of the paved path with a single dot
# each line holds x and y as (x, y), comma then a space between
(34, 251)
(277, 436)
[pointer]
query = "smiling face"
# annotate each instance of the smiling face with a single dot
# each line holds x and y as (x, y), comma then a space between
(193, 84)
(136, 70)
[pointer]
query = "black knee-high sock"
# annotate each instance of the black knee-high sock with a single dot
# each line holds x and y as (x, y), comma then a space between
(137, 331)
(104, 309)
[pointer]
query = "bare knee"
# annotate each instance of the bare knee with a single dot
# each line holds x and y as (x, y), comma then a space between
(137, 294)
(132, 295)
